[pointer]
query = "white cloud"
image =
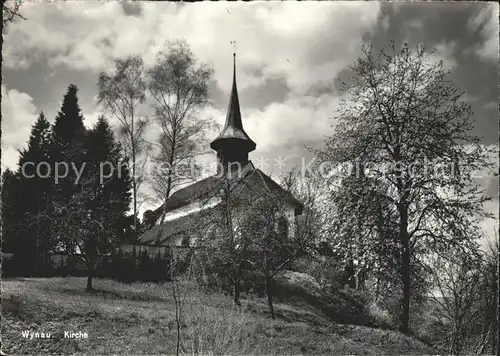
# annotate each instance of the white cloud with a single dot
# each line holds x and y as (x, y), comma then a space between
(303, 42)
(487, 22)
(293, 121)
(9, 158)
(18, 114)
(444, 52)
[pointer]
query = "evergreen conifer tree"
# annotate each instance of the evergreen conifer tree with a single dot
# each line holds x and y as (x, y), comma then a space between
(33, 196)
(109, 174)
(68, 144)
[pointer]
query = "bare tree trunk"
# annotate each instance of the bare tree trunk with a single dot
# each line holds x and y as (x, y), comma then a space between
(269, 293)
(496, 320)
(350, 272)
(237, 287)
(177, 317)
(454, 339)
(90, 275)
(237, 293)
(405, 269)
(134, 188)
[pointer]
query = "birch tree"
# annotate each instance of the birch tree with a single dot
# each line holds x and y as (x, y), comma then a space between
(121, 92)
(179, 86)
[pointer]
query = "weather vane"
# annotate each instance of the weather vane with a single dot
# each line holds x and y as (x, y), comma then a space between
(234, 46)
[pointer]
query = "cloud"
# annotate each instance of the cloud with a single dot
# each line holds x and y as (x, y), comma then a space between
(18, 114)
(444, 52)
(305, 43)
(10, 158)
(486, 22)
(296, 121)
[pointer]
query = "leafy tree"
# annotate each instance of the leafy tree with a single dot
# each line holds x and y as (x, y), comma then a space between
(180, 88)
(121, 92)
(403, 116)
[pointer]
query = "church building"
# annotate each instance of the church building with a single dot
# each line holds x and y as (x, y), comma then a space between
(188, 206)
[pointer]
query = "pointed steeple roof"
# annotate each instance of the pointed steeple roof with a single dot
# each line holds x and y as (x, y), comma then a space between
(233, 128)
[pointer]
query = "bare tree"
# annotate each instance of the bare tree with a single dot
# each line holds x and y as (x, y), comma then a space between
(121, 93)
(491, 291)
(457, 291)
(80, 231)
(10, 11)
(227, 251)
(250, 230)
(274, 245)
(180, 88)
(403, 116)
(183, 257)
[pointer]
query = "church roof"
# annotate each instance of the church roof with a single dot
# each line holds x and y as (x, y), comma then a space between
(206, 188)
(192, 192)
(233, 128)
(171, 229)
(253, 183)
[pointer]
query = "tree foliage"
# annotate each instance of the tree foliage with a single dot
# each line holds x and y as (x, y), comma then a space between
(179, 86)
(121, 92)
(403, 119)
(27, 193)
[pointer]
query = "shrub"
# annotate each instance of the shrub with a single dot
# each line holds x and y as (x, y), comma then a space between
(214, 330)
(381, 317)
(327, 272)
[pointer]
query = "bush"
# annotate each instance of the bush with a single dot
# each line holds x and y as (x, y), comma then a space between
(215, 330)
(381, 317)
(327, 272)
(129, 268)
(210, 274)
(20, 265)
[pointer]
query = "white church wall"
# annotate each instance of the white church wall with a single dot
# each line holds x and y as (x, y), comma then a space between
(290, 216)
(193, 207)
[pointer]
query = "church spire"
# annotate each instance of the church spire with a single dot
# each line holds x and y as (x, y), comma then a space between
(233, 144)
(233, 117)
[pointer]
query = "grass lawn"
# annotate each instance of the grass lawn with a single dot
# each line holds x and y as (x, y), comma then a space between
(139, 318)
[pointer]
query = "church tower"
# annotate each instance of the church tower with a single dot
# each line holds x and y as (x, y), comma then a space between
(233, 144)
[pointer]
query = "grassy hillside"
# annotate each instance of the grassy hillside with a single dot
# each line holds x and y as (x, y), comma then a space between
(139, 319)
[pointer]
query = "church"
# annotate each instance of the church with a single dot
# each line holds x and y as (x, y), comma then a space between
(193, 209)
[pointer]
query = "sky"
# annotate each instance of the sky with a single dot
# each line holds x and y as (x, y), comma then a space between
(290, 57)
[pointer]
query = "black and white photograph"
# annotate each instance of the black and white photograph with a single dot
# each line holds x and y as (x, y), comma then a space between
(250, 178)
